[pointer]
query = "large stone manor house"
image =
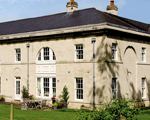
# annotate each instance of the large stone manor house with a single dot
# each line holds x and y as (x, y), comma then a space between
(61, 53)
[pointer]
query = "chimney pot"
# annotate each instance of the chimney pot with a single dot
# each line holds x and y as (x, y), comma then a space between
(112, 2)
(72, 6)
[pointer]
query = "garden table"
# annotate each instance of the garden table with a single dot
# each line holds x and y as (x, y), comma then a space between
(35, 103)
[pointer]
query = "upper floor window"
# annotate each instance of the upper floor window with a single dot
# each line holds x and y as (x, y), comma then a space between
(18, 55)
(114, 51)
(114, 87)
(79, 51)
(46, 54)
(143, 87)
(143, 54)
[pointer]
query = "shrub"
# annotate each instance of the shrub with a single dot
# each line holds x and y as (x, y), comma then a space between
(2, 97)
(65, 94)
(56, 103)
(111, 111)
(25, 93)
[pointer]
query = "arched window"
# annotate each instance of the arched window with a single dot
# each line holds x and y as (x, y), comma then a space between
(46, 73)
(46, 54)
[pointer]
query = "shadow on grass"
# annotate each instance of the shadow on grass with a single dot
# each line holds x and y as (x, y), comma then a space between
(65, 110)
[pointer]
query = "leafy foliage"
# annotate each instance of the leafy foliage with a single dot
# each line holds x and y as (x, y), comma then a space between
(25, 93)
(2, 97)
(111, 111)
(65, 94)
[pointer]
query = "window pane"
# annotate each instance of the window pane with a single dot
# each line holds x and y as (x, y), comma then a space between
(143, 87)
(18, 55)
(54, 86)
(39, 57)
(17, 87)
(79, 88)
(79, 51)
(114, 51)
(143, 54)
(54, 57)
(46, 87)
(114, 88)
(46, 53)
(39, 86)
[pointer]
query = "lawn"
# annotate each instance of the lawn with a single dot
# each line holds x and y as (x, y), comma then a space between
(61, 114)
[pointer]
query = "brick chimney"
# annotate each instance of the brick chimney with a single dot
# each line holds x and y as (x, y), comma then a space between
(113, 9)
(72, 6)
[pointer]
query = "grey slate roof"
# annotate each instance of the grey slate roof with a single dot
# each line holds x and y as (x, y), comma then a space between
(64, 20)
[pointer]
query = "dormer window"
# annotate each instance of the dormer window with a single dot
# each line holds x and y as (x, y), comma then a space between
(46, 54)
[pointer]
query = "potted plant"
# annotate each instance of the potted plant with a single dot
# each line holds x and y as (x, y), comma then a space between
(53, 99)
(25, 93)
(55, 105)
(31, 97)
(65, 96)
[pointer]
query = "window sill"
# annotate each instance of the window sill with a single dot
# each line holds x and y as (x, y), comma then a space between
(143, 98)
(39, 97)
(78, 99)
(79, 60)
(17, 62)
(45, 62)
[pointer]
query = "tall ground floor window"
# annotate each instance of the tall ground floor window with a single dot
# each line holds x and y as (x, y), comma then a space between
(114, 87)
(79, 89)
(46, 87)
(143, 87)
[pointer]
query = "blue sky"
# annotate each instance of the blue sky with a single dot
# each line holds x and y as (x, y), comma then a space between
(20, 9)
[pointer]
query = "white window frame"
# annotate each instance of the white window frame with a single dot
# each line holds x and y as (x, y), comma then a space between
(17, 95)
(78, 89)
(143, 54)
(17, 55)
(77, 52)
(54, 87)
(46, 54)
(143, 87)
(42, 87)
(40, 57)
(18, 79)
(114, 89)
(114, 50)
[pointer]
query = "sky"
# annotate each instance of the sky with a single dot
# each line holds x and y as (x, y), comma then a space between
(20, 9)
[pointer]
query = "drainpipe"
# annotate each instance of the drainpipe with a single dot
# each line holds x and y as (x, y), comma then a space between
(28, 45)
(93, 42)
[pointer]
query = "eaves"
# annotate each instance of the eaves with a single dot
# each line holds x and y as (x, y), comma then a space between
(92, 29)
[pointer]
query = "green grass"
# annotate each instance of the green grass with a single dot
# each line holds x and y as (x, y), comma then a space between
(61, 114)
(145, 115)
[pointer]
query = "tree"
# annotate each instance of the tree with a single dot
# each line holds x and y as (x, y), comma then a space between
(65, 94)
